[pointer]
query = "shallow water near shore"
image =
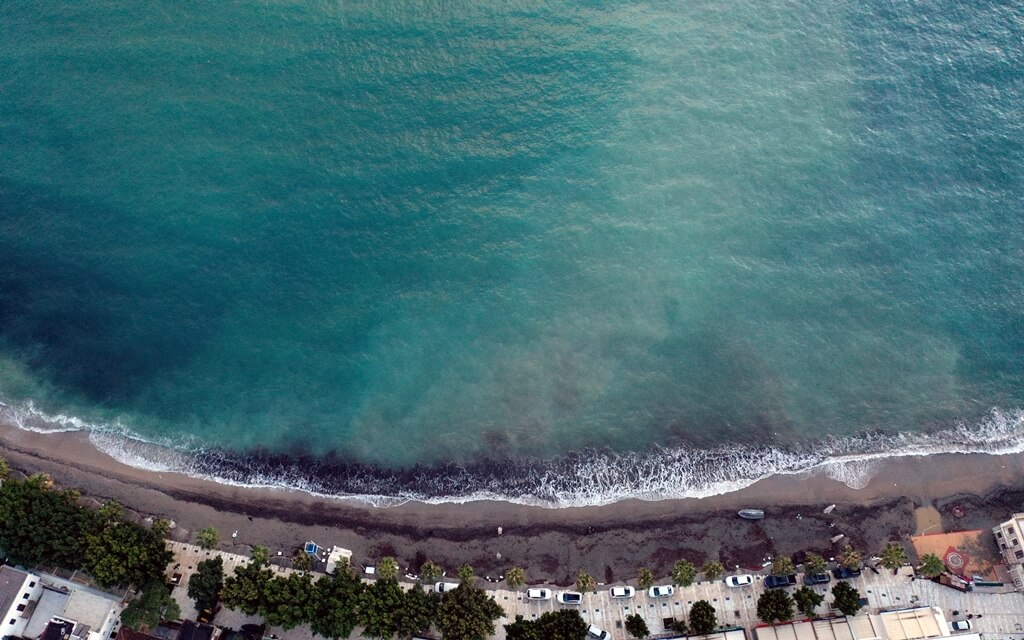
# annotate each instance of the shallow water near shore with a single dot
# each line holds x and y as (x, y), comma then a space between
(540, 252)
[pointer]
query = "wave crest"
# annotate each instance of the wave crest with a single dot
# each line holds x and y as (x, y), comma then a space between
(582, 478)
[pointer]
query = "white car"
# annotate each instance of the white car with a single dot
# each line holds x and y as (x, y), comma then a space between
(961, 625)
(661, 591)
(569, 597)
(445, 587)
(622, 592)
(538, 594)
(594, 631)
(739, 581)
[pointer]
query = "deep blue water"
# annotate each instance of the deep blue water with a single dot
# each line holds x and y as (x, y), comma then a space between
(427, 232)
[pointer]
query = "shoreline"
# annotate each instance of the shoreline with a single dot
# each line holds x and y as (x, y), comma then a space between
(609, 541)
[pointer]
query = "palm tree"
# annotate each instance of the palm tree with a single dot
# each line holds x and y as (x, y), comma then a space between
(815, 565)
(683, 573)
(713, 569)
(893, 556)
(466, 574)
(850, 558)
(645, 579)
(585, 582)
(931, 565)
(387, 568)
(430, 571)
(515, 578)
(782, 566)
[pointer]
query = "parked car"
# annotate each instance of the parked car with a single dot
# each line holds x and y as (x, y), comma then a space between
(777, 582)
(812, 579)
(661, 591)
(739, 581)
(445, 587)
(594, 631)
(961, 625)
(538, 594)
(569, 597)
(842, 573)
(622, 592)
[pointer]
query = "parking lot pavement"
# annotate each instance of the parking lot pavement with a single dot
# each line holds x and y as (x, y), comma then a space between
(1001, 615)
(996, 616)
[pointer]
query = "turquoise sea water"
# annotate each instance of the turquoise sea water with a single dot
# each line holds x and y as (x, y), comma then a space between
(432, 232)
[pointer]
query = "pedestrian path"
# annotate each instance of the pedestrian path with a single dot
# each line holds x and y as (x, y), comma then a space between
(995, 616)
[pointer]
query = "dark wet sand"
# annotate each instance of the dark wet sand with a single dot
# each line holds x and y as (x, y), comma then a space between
(610, 542)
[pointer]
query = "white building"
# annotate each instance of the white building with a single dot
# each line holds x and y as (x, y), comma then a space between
(34, 603)
(1010, 538)
(18, 591)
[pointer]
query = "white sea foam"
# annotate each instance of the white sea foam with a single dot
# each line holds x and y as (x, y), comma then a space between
(581, 479)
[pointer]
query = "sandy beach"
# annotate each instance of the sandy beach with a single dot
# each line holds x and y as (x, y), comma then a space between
(610, 542)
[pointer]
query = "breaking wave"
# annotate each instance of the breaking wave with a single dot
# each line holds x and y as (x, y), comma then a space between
(582, 478)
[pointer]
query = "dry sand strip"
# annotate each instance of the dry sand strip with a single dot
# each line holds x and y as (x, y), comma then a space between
(610, 542)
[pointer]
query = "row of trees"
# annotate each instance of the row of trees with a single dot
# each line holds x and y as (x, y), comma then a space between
(776, 605)
(567, 624)
(335, 605)
(40, 525)
(893, 556)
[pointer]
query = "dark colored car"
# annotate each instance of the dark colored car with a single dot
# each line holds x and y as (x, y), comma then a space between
(842, 573)
(811, 579)
(776, 582)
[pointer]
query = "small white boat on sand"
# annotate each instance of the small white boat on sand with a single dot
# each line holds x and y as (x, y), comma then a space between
(751, 514)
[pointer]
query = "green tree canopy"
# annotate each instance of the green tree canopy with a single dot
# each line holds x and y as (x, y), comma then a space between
(774, 605)
(585, 582)
(110, 513)
(644, 578)
(563, 624)
(387, 569)
(125, 554)
(807, 600)
(893, 556)
(377, 607)
(5, 469)
(208, 537)
(703, 618)
(430, 571)
(515, 578)
(150, 607)
(815, 564)
(931, 565)
(39, 525)
(418, 611)
(637, 626)
(467, 613)
(847, 599)
(713, 570)
(782, 566)
(244, 590)
(683, 573)
(288, 600)
(336, 599)
(522, 629)
(205, 585)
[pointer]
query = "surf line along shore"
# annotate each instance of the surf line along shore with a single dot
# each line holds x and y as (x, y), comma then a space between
(610, 542)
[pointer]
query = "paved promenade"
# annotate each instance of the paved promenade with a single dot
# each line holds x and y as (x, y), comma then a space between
(1001, 615)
